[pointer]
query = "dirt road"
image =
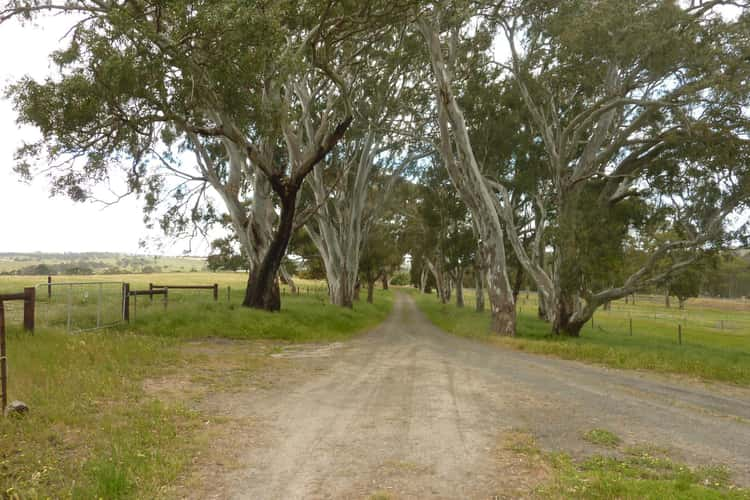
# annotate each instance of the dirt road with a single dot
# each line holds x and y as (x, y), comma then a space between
(412, 412)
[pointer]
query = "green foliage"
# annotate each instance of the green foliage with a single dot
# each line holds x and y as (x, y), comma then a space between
(597, 243)
(224, 257)
(641, 108)
(303, 248)
(380, 252)
(401, 279)
(686, 284)
(730, 277)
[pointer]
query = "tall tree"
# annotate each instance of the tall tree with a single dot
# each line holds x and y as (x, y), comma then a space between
(441, 27)
(257, 93)
(642, 110)
(380, 254)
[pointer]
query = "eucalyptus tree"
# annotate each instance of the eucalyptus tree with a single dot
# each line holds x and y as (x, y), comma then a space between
(449, 248)
(642, 110)
(257, 94)
(685, 284)
(442, 26)
(381, 253)
(509, 154)
(363, 173)
(224, 257)
(428, 227)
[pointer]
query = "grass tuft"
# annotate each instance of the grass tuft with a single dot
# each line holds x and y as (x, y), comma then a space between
(602, 437)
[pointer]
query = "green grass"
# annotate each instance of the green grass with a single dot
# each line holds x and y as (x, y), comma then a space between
(634, 473)
(707, 351)
(307, 317)
(637, 475)
(93, 431)
(602, 437)
(304, 318)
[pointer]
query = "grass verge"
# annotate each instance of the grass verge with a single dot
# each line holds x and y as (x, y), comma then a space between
(304, 318)
(94, 431)
(636, 473)
(704, 353)
(91, 432)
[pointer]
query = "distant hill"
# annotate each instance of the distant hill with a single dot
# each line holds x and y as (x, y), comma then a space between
(42, 264)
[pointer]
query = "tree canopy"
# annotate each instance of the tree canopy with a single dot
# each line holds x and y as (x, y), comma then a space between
(588, 148)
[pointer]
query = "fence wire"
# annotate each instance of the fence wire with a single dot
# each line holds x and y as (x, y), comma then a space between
(79, 307)
(13, 314)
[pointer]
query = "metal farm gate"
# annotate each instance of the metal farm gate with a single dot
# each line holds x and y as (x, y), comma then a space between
(79, 307)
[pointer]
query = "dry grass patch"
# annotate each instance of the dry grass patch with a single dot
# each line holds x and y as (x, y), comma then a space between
(521, 466)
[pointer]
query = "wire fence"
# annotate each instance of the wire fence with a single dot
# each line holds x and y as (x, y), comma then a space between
(13, 314)
(78, 307)
(729, 316)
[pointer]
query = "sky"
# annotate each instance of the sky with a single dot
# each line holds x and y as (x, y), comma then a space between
(57, 224)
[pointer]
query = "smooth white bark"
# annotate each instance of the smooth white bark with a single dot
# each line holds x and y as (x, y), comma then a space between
(458, 155)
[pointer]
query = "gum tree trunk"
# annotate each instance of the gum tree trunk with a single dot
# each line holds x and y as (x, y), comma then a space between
(517, 283)
(440, 281)
(458, 155)
(479, 288)
(287, 279)
(541, 308)
(263, 288)
(341, 223)
(460, 286)
(341, 291)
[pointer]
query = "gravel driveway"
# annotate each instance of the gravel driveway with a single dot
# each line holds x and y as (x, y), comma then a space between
(412, 412)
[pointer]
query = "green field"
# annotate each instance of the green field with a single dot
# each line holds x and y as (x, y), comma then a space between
(715, 334)
(102, 262)
(93, 430)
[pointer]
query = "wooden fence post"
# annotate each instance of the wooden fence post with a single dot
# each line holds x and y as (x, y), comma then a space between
(216, 292)
(151, 291)
(229, 294)
(49, 287)
(126, 302)
(166, 297)
(3, 363)
(29, 301)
